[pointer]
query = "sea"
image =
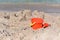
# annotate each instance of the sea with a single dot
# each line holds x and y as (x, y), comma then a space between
(25, 1)
(17, 5)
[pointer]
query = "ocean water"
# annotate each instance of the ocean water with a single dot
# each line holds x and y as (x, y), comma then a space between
(40, 7)
(25, 1)
(15, 7)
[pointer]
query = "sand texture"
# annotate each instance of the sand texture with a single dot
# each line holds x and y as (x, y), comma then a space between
(16, 26)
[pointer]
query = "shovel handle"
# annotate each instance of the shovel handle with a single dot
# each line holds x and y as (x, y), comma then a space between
(32, 24)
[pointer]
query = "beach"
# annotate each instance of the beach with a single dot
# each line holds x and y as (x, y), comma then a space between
(15, 21)
(15, 25)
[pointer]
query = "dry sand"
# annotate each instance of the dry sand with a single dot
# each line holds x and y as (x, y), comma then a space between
(16, 26)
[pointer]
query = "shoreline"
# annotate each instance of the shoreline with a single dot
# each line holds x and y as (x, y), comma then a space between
(49, 8)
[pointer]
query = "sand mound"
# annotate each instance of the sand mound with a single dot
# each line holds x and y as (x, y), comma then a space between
(15, 26)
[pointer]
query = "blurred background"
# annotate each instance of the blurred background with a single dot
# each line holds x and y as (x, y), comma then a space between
(29, 1)
(49, 6)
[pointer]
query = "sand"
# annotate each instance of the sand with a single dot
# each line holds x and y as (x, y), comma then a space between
(16, 26)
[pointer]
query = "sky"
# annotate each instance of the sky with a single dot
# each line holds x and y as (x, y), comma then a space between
(21, 1)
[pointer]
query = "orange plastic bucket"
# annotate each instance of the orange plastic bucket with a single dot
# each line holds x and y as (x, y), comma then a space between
(37, 26)
(45, 25)
(37, 20)
(38, 23)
